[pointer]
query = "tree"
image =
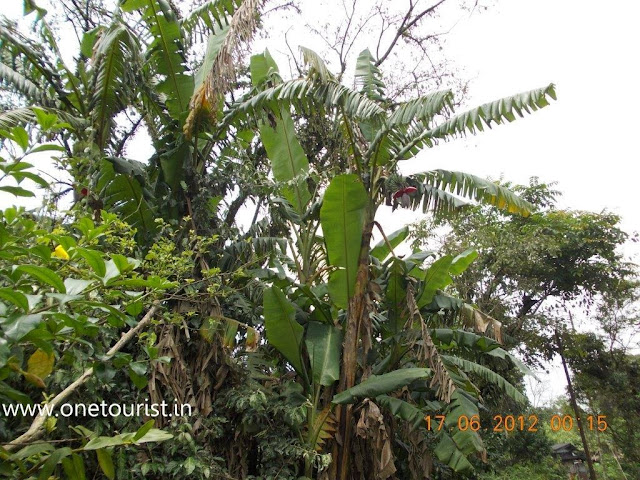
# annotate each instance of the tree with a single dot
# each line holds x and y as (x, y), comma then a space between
(606, 380)
(373, 138)
(313, 288)
(530, 267)
(535, 272)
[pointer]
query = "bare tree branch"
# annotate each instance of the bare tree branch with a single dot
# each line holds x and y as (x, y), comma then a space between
(37, 426)
(406, 24)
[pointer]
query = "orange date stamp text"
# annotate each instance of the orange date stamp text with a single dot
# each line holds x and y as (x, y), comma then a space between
(510, 423)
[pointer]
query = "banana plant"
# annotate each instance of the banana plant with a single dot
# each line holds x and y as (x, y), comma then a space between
(131, 70)
(342, 287)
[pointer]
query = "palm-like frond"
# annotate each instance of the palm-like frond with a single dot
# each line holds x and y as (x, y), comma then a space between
(115, 58)
(254, 251)
(307, 95)
(434, 184)
(449, 338)
(493, 112)
(121, 190)
(487, 375)
(437, 201)
(317, 68)
(207, 19)
(17, 116)
(29, 59)
(17, 82)
(166, 53)
(368, 76)
(406, 122)
(25, 115)
(422, 109)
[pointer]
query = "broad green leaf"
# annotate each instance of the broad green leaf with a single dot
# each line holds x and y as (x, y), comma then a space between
(40, 364)
(324, 345)
(49, 466)
(337, 286)
(74, 467)
(381, 384)
(131, 5)
(137, 374)
(47, 147)
(86, 45)
(381, 250)
(15, 297)
(189, 465)
(396, 296)
(261, 66)
(31, 450)
(37, 179)
(154, 435)
(288, 160)
(5, 352)
(106, 463)
(462, 261)
(104, 442)
(44, 275)
(172, 163)
(402, 409)
(125, 264)
(75, 286)
(111, 271)
(342, 217)
(18, 328)
(94, 260)
(13, 394)
(17, 191)
(435, 278)
(142, 431)
(283, 331)
(45, 120)
(21, 137)
(448, 453)
(214, 44)
(501, 353)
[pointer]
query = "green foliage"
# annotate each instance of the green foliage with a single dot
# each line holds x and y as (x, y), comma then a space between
(61, 309)
(342, 218)
(547, 470)
(381, 384)
(341, 320)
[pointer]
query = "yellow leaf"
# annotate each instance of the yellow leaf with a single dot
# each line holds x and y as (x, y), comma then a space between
(50, 424)
(60, 252)
(40, 364)
(34, 379)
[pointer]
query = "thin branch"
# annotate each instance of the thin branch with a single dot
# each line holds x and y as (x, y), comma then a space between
(386, 240)
(37, 426)
(406, 25)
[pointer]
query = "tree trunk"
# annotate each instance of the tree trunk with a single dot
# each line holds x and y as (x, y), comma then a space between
(574, 405)
(355, 313)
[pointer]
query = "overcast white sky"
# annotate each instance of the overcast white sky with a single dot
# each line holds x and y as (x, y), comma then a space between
(586, 141)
